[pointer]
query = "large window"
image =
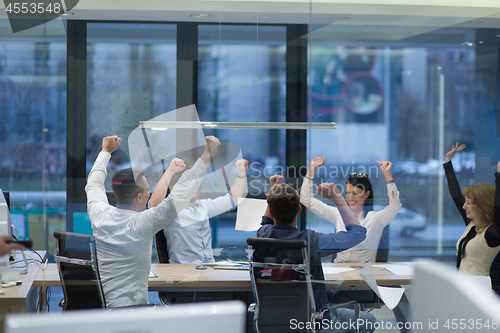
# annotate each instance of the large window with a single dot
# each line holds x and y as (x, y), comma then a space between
(385, 98)
(33, 130)
(242, 78)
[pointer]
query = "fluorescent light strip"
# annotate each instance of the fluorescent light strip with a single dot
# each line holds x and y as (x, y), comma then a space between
(162, 125)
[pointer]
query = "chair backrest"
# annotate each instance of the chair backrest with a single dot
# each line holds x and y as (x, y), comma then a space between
(79, 271)
(383, 246)
(495, 274)
(161, 247)
(281, 283)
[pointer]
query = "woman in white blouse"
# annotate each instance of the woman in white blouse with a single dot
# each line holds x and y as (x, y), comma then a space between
(359, 195)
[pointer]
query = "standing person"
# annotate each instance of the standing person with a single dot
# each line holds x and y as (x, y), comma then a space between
(479, 206)
(189, 239)
(359, 195)
(280, 222)
(124, 234)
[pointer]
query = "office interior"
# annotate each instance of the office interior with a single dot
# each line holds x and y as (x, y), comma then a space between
(403, 81)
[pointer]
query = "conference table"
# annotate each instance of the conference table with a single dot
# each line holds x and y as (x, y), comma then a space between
(185, 277)
(31, 294)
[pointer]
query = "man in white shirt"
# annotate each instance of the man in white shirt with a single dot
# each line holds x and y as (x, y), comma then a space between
(189, 238)
(124, 234)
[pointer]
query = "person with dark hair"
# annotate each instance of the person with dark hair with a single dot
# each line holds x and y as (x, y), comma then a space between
(280, 221)
(124, 234)
(359, 195)
(189, 238)
(479, 206)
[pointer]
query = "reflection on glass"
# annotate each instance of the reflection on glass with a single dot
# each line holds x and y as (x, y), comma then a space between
(383, 97)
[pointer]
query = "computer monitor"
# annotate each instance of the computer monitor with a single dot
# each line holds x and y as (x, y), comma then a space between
(5, 228)
(444, 300)
(216, 317)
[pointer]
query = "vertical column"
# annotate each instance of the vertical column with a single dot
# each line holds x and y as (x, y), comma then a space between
(76, 117)
(296, 105)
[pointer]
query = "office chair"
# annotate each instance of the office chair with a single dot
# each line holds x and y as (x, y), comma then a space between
(162, 255)
(383, 246)
(495, 274)
(76, 260)
(282, 285)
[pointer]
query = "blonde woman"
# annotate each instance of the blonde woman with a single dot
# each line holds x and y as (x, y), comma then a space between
(479, 206)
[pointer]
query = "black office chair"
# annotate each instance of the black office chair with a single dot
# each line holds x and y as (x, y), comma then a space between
(76, 260)
(282, 285)
(495, 274)
(162, 255)
(383, 246)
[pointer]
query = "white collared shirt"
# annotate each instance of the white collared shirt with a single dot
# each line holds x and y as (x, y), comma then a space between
(124, 237)
(189, 239)
(374, 222)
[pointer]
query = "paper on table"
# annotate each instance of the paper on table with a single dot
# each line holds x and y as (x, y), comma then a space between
(398, 269)
(336, 270)
(250, 213)
(152, 275)
(390, 296)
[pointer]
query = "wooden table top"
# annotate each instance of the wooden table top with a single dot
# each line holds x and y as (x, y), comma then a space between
(185, 275)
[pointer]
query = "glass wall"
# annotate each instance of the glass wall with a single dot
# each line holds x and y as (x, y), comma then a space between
(405, 100)
(242, 78)
(33, 129)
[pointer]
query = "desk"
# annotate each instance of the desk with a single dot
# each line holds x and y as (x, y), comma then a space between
(20, 298)
(184, 277)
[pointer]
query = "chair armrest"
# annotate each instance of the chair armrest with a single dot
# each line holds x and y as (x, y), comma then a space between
(73, 261)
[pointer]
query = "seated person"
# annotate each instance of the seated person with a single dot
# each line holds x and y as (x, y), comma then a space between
(280, 222)
(189, 239)
(124, 234)
(359, 195)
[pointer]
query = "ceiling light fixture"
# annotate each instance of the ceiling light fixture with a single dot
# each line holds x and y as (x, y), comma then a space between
(159, 125)
(200, 15)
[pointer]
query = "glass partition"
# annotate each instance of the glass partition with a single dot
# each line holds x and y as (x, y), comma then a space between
(33, 129)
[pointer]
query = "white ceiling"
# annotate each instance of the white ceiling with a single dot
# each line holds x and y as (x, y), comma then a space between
(423, 13)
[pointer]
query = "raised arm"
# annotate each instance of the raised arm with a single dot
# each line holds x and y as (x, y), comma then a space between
(96, 192)
(238, 188)
(316, 206)
(386, 215)
(160, 192)
(453, 186)
(161, 215)
(330, 191)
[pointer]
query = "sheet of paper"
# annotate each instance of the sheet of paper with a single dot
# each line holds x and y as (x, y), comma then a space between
(482, 280)
(152, 275)
(336, 270)
(250, 213)
(398, 269)
(390, 296)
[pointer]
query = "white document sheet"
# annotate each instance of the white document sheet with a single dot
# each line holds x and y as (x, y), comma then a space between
(250, 213)
(390, 296)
